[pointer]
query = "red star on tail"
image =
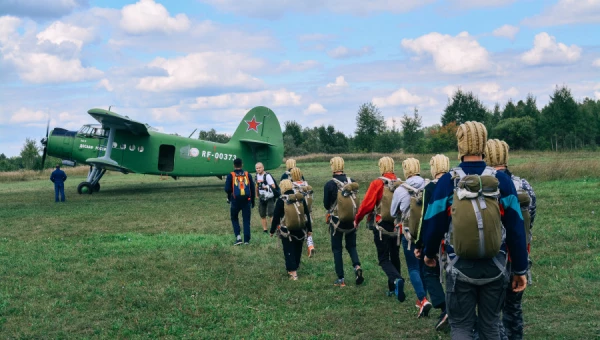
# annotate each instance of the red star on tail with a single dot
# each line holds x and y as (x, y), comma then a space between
(252, 124)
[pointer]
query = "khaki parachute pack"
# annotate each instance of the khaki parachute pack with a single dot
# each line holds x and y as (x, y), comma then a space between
(346, 204)
(476, 231)
(306, 190)
(524, 202)
(384, 207)
(412, 220)
(294, 217)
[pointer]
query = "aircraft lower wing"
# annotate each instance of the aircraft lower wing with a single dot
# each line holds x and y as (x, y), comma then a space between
(103, 163)
(113, 120)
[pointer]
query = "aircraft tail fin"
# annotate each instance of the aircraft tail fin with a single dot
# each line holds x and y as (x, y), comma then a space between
(261, 132)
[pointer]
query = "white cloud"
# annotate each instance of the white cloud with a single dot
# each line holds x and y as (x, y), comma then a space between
(168, 114)
(47, 68)
(596, 63)
(273, 9)
(402, 97)
(288, 66)
(28, 116)
(342, 52)
(59, 32)
(506, 31)
(105, 83)
(8, 27)
(566, 12)
(269, 98)
(146, 16)
(452, 55)
(489, 91)
(547, 51)
(334, 89)
(315, 109)
(205, 69)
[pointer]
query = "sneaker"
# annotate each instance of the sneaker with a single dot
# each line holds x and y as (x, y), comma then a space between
(359, 276)
(265, 231)
(442, 323)
(399, 291)
(311, 251)
(390, 293)
(425, 308)
(339, 283)
(293, 277)
(246, 243)
(238, 241)
(418, 304)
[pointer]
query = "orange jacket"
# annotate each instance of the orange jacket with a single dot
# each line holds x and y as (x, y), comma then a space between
(372, 197)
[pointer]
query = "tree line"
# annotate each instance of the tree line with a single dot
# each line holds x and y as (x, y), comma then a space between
(561, 125)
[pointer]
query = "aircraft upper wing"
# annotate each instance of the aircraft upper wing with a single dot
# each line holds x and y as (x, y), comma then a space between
(111, 119)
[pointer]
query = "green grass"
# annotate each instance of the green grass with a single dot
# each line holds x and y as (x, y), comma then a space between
(146, 258)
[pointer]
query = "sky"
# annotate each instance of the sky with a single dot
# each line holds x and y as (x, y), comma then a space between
(182, 65)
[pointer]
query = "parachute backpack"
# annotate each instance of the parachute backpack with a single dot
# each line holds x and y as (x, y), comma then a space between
(302, 187)
(346, 204)
(294, 217)
(524, 202)
(383, 209)
(412, 219)
(476, 230)
(240, 185)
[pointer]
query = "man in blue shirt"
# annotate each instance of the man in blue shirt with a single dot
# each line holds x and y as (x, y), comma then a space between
(476, 284)
(58, 177)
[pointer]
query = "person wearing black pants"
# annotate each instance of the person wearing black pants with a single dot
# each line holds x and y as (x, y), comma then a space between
(240, 190)
(292, 240)
(344, 229)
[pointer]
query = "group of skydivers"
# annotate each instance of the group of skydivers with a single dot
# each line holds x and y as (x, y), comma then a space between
(473, 221)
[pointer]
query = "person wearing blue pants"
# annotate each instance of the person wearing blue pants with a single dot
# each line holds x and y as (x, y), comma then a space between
(58, 177)
(400, 207)
(240, 190)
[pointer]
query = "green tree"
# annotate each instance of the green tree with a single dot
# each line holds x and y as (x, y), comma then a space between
(442, 138)
(389, 140)
(519, 133)
(496, 115)
(463, 107)
(213, 136)
(510, 110)
(30, 154)
(293, 129)
(558, 118)
(369, 124)
(530, 108)
(412, 133)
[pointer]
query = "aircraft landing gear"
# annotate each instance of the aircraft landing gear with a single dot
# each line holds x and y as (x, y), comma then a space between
(92, 184)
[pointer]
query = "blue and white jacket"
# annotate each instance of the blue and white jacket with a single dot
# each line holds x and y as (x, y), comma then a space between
(437, 218)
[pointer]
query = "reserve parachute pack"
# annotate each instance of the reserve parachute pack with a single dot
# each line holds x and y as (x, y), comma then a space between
(346, 205)
(240, 185)
(383, 210)
(412, 219)
(476, 230)
(294, 217)
(306, 190)
(384, 207)
(524, 202)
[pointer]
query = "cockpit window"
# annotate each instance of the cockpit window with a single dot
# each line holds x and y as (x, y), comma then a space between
(93, 131)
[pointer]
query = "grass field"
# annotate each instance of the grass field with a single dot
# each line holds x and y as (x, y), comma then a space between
(147, 258)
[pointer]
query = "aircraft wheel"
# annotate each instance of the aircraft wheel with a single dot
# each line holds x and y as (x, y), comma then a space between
(84, 188)
(96, 187)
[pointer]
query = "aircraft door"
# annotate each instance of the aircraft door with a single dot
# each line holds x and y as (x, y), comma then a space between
(166, 158)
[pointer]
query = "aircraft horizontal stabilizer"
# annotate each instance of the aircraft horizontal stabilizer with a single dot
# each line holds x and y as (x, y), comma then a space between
(252, 141)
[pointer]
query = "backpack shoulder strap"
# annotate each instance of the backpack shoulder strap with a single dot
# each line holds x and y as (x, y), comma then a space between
(458, 171)
(489, 171)
(339, 183)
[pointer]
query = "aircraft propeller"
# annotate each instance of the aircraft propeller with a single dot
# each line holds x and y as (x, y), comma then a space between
(44, 142)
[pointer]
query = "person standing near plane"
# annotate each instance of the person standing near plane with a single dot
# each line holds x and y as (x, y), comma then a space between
(58, 177)
(240, 190)
(267, 190)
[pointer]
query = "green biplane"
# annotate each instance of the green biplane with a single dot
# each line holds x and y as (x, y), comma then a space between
(125, 145)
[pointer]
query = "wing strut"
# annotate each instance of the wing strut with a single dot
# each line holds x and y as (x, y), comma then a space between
(109, 146)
